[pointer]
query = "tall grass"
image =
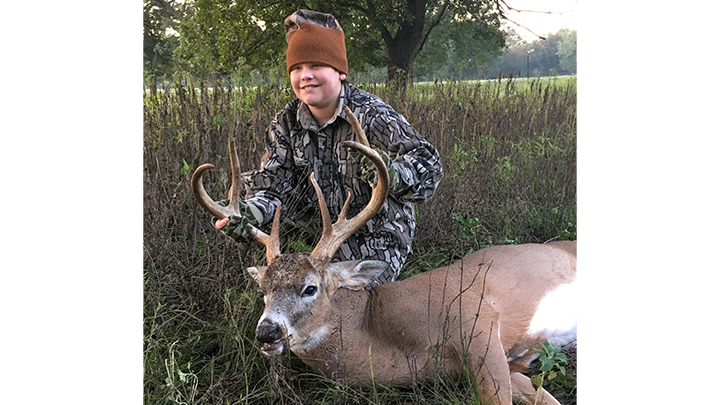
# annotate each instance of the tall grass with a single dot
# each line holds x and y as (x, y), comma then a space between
(508, 149)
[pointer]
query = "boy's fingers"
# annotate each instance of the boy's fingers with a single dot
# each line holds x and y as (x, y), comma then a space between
(220, 223)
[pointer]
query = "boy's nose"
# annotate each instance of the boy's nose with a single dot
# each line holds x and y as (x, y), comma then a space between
(305, 72)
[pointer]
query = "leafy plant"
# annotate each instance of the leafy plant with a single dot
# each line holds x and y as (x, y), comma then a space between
(186, 169)
(469, 226)
(462, 158)
(550, 358)
(505, 169)
(183, 386)
(219, 120)
(181, 135)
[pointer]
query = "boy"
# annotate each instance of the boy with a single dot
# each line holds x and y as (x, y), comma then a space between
(304, 137)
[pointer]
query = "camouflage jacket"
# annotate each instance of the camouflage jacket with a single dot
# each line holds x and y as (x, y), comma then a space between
(297, 145)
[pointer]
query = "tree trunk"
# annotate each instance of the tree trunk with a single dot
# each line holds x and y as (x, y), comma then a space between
(400, 57)
(407, 41)
(398, 79)
(153, 85)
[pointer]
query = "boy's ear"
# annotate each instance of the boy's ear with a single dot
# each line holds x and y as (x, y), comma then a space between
(356, 275)
(257, 273)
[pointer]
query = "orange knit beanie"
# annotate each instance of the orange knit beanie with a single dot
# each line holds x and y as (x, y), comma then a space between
(314, 37)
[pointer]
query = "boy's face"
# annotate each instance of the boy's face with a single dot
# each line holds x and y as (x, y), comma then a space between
(317, 85)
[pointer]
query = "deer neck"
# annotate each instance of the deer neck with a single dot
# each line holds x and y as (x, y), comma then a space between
(349, 333)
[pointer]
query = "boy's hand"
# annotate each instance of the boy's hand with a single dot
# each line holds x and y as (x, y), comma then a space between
(368, 172)
(236, 227)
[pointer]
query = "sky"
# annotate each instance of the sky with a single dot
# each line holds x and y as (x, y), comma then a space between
(542, 17)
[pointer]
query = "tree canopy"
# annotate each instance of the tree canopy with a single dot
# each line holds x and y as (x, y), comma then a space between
(161, 22)
(405, 37)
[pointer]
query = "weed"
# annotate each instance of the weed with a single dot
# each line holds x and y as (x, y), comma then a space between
(462, 158)
(186, 169)
(182, 387)
(550, 358)
(219, 121)
(469, 226)
(505, 170)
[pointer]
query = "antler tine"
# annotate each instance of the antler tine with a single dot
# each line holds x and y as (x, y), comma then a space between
(324, 214)
(272, 241)
(234, 193)
(202, 197)
(356, 126)
(334, 235)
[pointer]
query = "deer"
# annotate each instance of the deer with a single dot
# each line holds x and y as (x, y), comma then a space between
(480, 317)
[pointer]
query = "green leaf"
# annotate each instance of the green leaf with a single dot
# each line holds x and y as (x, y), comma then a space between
(562, 369)
(537, 380)
(186, 167)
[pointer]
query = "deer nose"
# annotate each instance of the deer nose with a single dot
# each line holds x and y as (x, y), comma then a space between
(268, 332)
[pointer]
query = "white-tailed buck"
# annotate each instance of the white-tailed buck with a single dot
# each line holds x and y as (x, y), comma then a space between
(482, 315)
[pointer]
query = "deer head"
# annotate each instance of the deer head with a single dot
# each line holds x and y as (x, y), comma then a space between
(298, 287)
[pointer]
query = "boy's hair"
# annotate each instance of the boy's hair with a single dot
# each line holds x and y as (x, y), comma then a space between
(315, 37)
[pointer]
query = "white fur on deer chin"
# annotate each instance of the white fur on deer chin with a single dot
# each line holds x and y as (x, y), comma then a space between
(309, 342)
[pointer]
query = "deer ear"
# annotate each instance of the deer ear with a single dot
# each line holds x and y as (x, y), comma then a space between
(355, 275)
(257, 273)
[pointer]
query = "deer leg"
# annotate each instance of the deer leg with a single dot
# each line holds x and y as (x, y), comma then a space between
(524, 392)
(491, 371)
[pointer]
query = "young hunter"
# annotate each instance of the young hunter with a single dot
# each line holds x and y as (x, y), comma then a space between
(304, 137)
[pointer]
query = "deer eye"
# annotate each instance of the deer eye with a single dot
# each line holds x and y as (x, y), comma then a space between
(310, 291)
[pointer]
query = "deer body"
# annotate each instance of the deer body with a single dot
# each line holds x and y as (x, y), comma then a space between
(471, 315)
(482, 315)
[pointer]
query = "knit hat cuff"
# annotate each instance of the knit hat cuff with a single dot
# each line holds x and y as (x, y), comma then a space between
(312, 43)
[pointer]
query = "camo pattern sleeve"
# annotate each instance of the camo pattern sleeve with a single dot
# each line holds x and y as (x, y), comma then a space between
(277, 175)
(297, 146)
(416, 160)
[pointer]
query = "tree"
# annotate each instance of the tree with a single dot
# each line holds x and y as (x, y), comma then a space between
(404, 26)
(540, 57)
(476, 41)
(229, 36)
(161, 21)
(567, 50)
(458, 48)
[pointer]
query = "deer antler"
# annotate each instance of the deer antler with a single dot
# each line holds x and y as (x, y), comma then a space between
(356, 126)
(334, 235)
(272, 243)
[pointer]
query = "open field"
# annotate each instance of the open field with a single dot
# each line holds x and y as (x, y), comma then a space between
(509, 153)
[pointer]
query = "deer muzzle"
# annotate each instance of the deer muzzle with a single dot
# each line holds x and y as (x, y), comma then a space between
(272, 336)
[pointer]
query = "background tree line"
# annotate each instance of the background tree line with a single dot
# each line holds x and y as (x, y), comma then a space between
(388, 41)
